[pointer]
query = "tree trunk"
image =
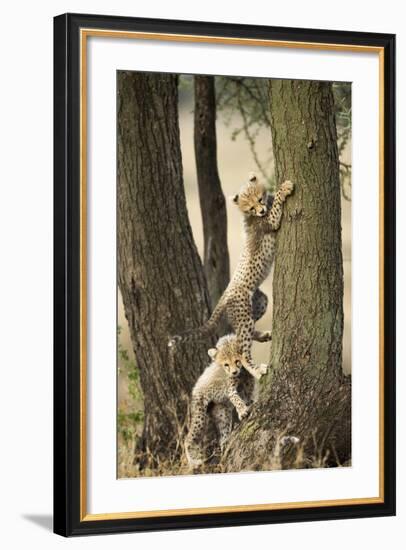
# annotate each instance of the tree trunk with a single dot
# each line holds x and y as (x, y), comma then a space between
(305, 394)
(212, 203)
(159, 270)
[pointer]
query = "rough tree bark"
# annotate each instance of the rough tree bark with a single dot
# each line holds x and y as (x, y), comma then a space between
(304, 394)
(159, 270)
(212, 202)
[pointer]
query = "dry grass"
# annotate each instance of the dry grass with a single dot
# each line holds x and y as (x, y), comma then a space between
(285, 454)
(128, 469)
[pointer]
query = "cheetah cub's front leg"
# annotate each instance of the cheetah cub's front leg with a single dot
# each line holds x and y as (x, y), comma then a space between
(287, 188)
(240, 406)
(274, 217)
(256, 370)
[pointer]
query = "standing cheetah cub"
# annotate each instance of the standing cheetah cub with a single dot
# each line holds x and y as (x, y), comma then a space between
(222, 386)
(242, 301)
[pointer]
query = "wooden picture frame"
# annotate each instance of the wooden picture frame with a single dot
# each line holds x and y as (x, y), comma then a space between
(71, 32)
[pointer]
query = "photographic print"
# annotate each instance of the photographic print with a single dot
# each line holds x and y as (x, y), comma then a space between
(224, 319)
(234, 274)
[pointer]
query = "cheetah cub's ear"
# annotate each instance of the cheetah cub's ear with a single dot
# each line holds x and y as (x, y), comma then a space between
(234, 198)
(252, 177)
(212, 352)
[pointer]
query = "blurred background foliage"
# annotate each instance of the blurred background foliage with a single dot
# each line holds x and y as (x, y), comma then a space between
(248, 97)
(130, 413)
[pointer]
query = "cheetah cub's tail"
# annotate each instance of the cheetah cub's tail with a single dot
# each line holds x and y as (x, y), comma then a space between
(201, 333)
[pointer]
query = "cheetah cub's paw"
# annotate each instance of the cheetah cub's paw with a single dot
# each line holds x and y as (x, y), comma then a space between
(193, 456)
(259, 370)
(263, 368)
(286, 188)
(243, 413)
(266, 336)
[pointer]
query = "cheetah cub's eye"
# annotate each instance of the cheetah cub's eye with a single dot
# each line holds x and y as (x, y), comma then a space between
(226, 365)
(252, 209)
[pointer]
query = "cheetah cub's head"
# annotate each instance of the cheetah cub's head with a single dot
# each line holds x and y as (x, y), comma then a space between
(252, 198)
(227, 354)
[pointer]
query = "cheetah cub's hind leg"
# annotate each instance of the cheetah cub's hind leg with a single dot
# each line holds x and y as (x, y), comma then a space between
(240, 315)
(223, 419)
(193, 443)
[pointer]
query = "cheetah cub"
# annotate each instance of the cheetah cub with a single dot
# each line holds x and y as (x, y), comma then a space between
(222, 387)
(242, 301)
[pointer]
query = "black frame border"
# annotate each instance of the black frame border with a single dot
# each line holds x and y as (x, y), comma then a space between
(67, 520)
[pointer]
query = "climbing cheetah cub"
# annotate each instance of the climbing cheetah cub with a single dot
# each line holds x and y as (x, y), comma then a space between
(222, 386)
(242, 301)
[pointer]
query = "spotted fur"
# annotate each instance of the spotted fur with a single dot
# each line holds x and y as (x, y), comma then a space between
(242, 301)
(223, 386)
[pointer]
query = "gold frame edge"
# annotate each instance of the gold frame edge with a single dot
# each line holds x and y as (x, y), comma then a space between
(84, 34)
